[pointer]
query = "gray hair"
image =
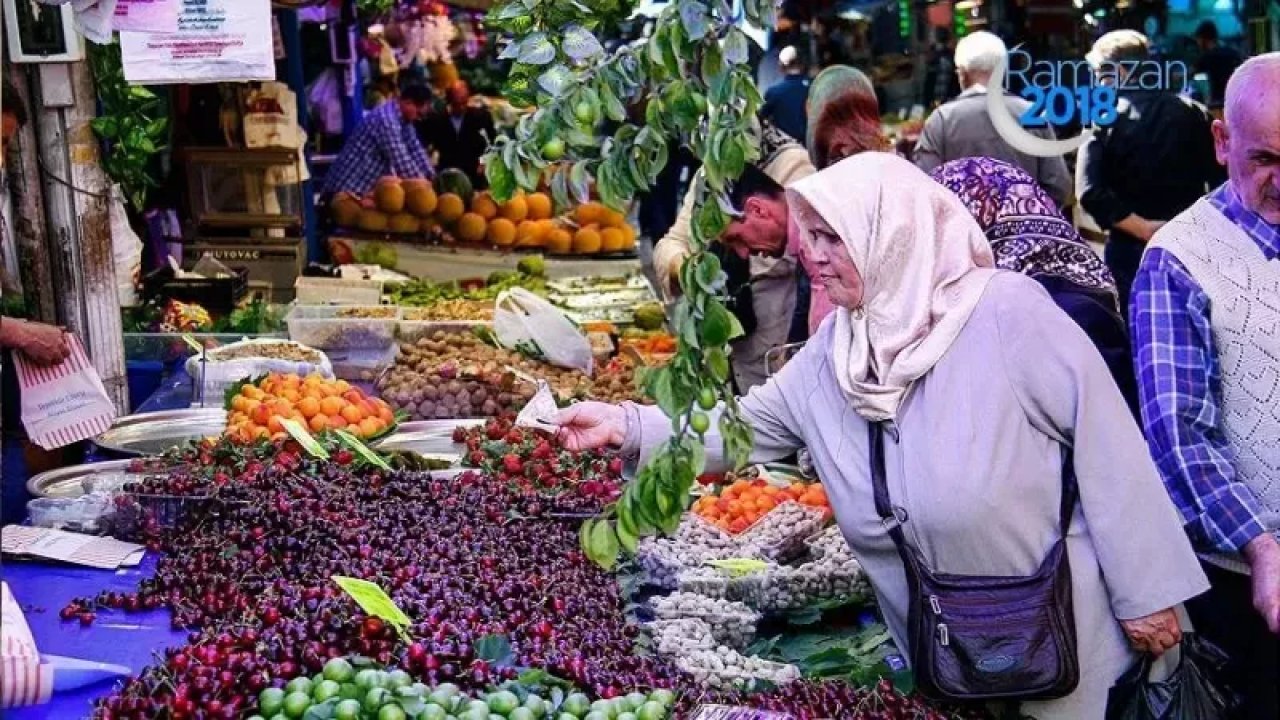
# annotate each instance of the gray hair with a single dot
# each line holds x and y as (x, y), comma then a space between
(1117, 46)
(1250, 79)
(980, 52)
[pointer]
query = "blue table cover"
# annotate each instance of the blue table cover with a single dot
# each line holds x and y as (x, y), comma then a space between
(129, 639)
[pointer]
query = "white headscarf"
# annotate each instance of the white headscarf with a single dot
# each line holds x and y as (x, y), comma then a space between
(924, 263)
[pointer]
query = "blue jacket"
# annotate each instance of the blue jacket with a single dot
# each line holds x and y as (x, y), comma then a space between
(784, 105)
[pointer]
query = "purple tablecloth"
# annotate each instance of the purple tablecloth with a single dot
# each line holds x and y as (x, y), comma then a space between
(131, 639)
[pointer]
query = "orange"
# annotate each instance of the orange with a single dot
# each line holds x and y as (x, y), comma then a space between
(530, 233)
(502, 232)
(341, 386)
(612, 240)
(290, 395)
(449, 208)
(337, 422)
(369, 427)
(261, 414)
(385, 413)
(332, 406)
(515, 209)
(484, 206)
(471, 228)
(588, 213)
(352, 414)
(319, 423)
(559, 242)
(587, 241)
(539, 206)
(628, 237)
(274, 424)
(613, 218)
(309, 406)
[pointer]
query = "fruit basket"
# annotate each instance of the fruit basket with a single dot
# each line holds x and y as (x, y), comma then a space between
(350, 327)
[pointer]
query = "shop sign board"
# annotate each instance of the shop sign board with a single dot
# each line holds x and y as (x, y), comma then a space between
(215, 41)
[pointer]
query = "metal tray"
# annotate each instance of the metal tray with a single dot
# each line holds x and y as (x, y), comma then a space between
(428, 438)
(68, 482)
(153, 433)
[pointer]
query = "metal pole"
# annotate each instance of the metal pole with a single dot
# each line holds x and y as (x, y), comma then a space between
(76, 196)
(28, 209)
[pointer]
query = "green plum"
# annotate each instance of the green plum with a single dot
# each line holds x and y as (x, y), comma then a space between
(347, 710)
(521, 713)
(664, 696)
(652, 710)
(604, 707)
(326, 689)
(392, 712)
(299, 685)
(433, 711)
(339, 670)
(537, 706)
(367, 679)
(635, 700)
(577, 705)
(296, 704)
(376, 698)
(503, 702)
(271, 701)
(397, 679)
(628, 715)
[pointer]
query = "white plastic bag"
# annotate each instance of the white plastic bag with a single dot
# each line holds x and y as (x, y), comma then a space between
(522, 318)
(126, 248)
(219, 373)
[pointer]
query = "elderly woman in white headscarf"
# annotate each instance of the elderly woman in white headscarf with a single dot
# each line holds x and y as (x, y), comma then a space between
(987, 382)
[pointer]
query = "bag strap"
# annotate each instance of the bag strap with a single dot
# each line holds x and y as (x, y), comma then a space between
(893, 517)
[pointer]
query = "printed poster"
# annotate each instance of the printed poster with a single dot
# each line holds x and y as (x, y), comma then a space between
(216, 41)
(146, 16)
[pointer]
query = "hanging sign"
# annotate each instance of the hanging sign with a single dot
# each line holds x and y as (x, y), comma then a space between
(215, 41)
(149, 16)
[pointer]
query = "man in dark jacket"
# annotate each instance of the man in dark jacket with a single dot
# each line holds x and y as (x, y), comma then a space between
(784, 103)
(1151, 164)
(459, 135)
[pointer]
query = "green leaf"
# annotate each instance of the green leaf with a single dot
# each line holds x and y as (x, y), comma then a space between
(602, 544)
(695, 19)
(560, 189)
(495, 649)
(712, 63)
(613, 107)
(535, 49)
(555, 81)
(717, 324)
(502, 182)
(626, 536)
(579, 44)
(718, 363)
(138, 92)
(735, 47)
(106, 127)
(579, 182)
(323, 711)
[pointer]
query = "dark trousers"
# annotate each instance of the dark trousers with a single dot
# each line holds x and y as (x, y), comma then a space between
(1225, 616)
(1123, 254)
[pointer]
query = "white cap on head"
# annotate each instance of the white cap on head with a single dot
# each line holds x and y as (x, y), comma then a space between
(788, 55)
(980, 52)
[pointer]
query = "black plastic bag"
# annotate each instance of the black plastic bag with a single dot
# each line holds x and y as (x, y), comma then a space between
(1195, 690)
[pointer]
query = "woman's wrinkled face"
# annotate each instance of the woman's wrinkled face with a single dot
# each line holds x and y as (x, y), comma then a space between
(833, 264)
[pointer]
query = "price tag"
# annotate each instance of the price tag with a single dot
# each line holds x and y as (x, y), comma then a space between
(737, 712)
(373, 600)
(304, 438)
(192, 343)
(359, 448)
(739, 566)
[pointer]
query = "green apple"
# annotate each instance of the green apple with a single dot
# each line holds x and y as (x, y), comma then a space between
(296, 704)
(271, 701)
(299, 685)
(326, 689)
(347, 710)
(339, 670)
(577, 705)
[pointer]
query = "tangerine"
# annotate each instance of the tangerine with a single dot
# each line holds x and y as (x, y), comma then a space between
(502, 232)
(539, 205)
(471, 228)
(529, 234)
(587, 241)
(588, 213)
(484, 206)
(449, 208)
(611, 240)
(515, 209)
(559, 242)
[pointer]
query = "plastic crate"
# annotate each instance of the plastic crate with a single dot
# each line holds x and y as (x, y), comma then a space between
(217, 295)
(337, 327)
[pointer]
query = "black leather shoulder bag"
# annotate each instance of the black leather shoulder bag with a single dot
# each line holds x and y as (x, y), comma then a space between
(976, 637)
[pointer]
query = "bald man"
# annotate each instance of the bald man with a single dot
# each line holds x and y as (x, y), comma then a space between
(1205, 314)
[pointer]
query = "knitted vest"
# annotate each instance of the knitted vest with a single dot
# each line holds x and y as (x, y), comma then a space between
(1243, 288)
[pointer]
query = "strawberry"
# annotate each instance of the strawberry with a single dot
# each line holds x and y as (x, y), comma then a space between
(543, 451)
(615, 466)
(512, 464)
(515, 437)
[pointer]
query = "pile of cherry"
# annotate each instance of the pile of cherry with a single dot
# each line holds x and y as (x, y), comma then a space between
(532, 462)
(247, 573)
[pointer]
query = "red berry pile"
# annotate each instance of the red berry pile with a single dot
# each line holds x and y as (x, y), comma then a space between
(247, 572)
(532, 461)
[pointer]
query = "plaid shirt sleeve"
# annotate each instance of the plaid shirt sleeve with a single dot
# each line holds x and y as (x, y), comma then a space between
(399, 144)
(1178, 381)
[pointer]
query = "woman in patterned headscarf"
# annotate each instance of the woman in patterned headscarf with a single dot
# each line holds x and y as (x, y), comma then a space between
(1030, 236)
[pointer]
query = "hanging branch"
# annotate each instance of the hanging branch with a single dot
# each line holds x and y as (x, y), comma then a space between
(692, 78)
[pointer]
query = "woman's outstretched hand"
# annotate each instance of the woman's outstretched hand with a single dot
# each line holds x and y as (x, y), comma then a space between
(592, 425)
(1155, 633)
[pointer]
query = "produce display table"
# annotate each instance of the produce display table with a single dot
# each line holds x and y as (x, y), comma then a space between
(132, 640)
(444, 263)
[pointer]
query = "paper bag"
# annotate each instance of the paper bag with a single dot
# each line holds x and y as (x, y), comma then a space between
(64, 403)
(23, 680)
